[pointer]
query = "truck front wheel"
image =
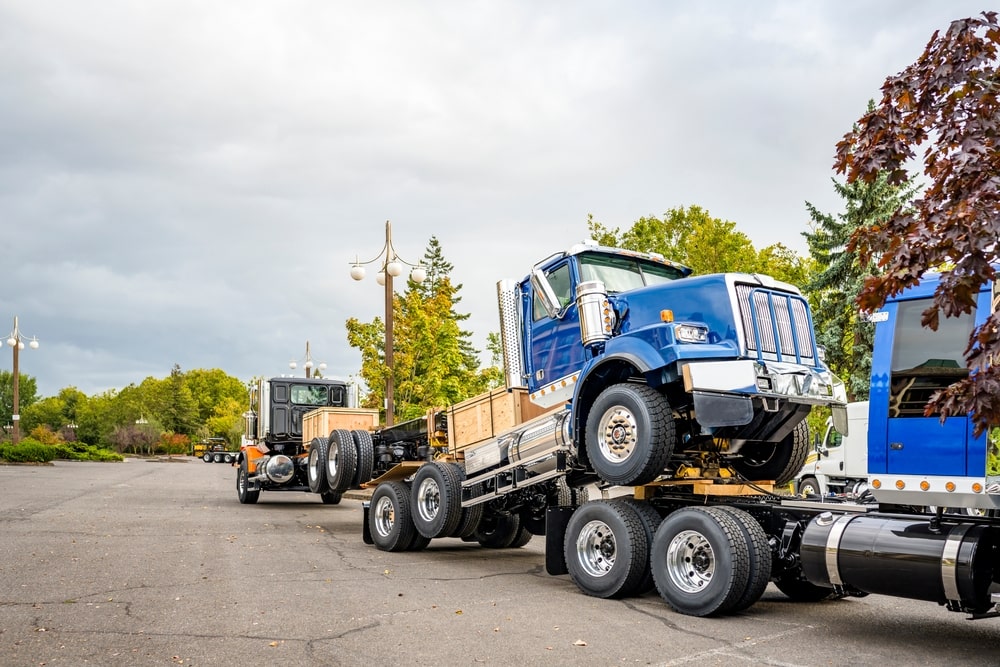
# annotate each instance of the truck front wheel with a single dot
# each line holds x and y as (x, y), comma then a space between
(630, 434)
(246, 496)
(780, 461)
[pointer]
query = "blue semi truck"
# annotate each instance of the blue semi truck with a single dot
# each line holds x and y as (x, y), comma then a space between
(683, 400)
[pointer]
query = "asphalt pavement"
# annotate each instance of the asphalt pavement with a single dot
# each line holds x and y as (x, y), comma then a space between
(156, 563)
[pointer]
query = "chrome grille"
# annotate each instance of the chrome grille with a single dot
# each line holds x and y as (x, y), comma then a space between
(784, 328)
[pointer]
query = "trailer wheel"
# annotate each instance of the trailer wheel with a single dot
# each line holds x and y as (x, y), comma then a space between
(797, 588)
(760, 557)
(366, 457)
(630, 434)
(809, 487)
(498, 530)
(207, 457)
(217, 457)
(605, 549)
(316, 465)
(437, 499)
(779, 461)
(341, 460)
(522, 538)
(246, 496)
(469, 524)
(389, 519)
(650, 519)
(700, 561)
(330, 497)
(419, 542)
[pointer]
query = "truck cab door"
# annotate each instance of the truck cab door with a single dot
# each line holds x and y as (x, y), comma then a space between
(918, 362)
(553, 348)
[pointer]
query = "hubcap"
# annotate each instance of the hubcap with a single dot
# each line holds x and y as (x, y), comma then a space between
(690, 561)
(617, 434)
(313, 465)
(428, 499)
(596, 548)
(385, 516)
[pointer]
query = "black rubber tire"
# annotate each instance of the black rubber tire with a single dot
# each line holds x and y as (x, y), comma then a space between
(228, 458)
(246, 496)
(498, 530)
(341, 460)
(330, 497)
(389, 517)
(568, 496)
(316, 465)
(207, 457)
(419, 542)
(798, 589)
(217, 457)
(366, 457)
(650, 518)
(605, 549)
(522, 538)
(635, 422)
(809, 486)
(778, 461)
(469, 523)
(436, 499)
(760, 557)
(700, 561)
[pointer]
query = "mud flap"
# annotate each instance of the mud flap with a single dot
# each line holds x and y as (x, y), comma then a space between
(366, 531)
(556, 520)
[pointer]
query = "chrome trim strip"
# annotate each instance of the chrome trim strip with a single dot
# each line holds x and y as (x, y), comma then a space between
(949, 561)
(833, 547)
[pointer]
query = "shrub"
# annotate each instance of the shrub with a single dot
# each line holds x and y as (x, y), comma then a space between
(28, 451)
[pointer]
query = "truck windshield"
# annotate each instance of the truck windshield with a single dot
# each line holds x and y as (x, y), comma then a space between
(621, 274)
(924, 361)
(305, 394)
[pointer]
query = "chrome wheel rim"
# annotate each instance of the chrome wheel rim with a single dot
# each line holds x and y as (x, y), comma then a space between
(596, 549)
(385, 516)
(617, 434)
(690, 561)
(428, 499)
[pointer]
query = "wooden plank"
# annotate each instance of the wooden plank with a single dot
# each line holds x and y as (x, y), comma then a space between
(320, 422)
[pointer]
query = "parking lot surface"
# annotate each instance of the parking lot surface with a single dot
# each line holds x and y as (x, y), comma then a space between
(156, 563)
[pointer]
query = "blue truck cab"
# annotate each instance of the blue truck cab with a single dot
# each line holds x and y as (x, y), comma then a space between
(915, 459)
(667, 373)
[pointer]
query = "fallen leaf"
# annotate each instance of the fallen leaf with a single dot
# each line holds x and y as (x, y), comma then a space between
(579, 642)
(273, 644)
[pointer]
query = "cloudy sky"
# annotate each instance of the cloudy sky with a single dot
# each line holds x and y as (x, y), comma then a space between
(187, 182)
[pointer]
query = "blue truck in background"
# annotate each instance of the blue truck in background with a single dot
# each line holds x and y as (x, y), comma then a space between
(682, 400)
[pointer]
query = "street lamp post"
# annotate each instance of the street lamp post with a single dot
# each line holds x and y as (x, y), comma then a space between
(16, 341)
(308, 364)
(392, 266)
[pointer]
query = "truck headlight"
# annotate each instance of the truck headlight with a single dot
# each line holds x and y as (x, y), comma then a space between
(691, 333)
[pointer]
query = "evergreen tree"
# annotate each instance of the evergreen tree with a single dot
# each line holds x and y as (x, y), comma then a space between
(835, 286)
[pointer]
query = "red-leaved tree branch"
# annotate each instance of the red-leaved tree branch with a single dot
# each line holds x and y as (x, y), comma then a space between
(945, 102)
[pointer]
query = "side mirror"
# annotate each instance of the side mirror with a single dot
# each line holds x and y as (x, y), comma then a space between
(546, 295)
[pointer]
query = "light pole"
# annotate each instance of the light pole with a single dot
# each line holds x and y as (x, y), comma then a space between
(392, 266)
(16, 341)
(308, 364)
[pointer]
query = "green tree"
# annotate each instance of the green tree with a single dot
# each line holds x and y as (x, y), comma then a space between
(179, 411)
(948, 100)
(434, 363)
(209, 388)
(691, 236)
(27, 389)
(840, 275)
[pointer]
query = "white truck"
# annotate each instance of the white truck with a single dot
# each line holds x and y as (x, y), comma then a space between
(838, 464)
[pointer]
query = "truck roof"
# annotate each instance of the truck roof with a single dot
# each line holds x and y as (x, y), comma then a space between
(592, 246)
